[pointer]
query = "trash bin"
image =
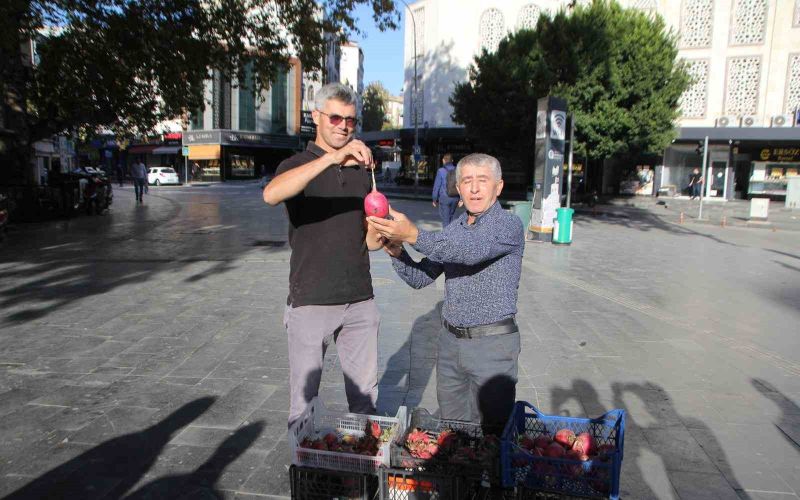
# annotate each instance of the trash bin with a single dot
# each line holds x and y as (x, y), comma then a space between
(562, 226)
(521, 209)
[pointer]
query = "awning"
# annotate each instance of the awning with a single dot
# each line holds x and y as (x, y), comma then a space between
(142, 149)
(166, 150)
(204, 152)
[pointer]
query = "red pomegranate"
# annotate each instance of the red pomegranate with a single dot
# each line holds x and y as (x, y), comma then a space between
(376, 204)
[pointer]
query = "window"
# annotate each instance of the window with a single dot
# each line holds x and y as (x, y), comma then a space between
(748, 22)
(492, 29)
(741, 95)
(528, 17)
(793, 84)
(696, 19)
(247, 99)
(693, 100)
(279, 104)
(796, 22)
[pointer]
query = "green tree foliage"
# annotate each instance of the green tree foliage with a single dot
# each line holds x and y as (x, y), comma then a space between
(125, 65)
(376, 106)
(615, 67)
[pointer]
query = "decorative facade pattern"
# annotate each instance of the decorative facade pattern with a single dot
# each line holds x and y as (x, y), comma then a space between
(796, 22)
(741, 95)
(793, 84)
(528, 17)
(696, 21)
(695, 97)
(646, 5)
(492, 29)
(748, 22)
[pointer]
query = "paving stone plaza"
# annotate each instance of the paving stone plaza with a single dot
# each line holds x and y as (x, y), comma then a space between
(143, 355)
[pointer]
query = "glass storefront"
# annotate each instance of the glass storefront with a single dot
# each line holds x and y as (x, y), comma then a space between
(242, 166)
(209, 170)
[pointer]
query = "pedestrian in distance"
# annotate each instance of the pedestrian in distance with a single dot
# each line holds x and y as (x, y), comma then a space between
(445, 192)
(695, 184)
(139, 175)
(480, 255)
(330, 287)
(120, 174)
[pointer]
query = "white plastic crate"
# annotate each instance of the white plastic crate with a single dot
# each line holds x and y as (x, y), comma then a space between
(318, 420)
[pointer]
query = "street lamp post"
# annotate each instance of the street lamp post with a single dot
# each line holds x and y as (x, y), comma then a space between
(414, 102)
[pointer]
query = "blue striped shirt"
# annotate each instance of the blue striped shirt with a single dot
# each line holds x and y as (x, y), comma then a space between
(481, 263)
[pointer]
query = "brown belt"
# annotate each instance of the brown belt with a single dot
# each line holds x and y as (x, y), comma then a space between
(502, 327)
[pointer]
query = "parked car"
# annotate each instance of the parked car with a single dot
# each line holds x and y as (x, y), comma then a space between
(162, 175)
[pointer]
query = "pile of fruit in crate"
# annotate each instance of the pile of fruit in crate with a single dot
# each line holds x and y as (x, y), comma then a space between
(593, 460)
(454, 447)
(566, 444)
(368, 444)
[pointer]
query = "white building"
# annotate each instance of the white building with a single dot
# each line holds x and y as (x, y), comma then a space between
(744, 55)
(351, 72)
(394, 111)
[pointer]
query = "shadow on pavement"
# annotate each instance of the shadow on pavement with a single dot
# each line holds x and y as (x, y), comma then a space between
(200, 483)
(641, 220)
(115, 465)
(684, 447)
(413, 362)
(789, 421)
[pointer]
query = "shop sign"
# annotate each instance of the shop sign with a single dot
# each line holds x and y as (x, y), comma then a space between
(173, 136)
(202, 137)
(307, 125)
(386, 143)
(780, 154)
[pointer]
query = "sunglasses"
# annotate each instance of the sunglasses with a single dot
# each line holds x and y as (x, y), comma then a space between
(335, 120)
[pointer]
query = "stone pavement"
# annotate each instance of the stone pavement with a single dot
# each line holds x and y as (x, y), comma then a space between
(142, 353)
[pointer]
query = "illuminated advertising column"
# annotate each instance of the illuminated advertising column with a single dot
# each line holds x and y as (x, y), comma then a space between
(551, 128)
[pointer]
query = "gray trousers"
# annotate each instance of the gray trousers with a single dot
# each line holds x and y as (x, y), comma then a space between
(476, 379)
(354, 328)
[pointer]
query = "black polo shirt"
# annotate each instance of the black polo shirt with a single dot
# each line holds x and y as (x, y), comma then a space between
(330, 260)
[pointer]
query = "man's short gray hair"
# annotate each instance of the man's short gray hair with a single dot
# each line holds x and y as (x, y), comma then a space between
(480, 160)
(337, 91)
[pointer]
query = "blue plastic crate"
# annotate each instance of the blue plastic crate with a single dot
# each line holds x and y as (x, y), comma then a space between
(595, 478)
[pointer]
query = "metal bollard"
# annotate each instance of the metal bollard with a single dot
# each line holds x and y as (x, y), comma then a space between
(680, 219)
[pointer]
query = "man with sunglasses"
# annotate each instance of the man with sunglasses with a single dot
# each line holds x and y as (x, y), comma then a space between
(330, 287)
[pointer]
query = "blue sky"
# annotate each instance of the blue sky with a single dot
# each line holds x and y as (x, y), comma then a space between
(383, 51)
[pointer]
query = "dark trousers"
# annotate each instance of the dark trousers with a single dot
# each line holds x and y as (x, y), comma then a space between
(476, 379)
(697, 190)
(447, 208)
(138, 187)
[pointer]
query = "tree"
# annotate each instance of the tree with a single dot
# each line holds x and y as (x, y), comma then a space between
(125, 65)
(376, 104)
(615, 67)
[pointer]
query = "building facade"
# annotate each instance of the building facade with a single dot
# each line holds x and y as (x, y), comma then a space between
(351, 73)
(743, 55)
(243, 134)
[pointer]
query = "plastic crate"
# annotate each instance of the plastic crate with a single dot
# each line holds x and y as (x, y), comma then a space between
(596, 478)
(321, 484)
(472, 435)
(401, 484)
(317, 420)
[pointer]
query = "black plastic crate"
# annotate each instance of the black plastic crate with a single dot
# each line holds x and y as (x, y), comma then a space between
(322, 484)
(400, 484)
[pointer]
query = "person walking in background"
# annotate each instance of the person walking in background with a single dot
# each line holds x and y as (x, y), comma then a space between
(695, 184)
(120, 174)
(139, 174)
(445, 194)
